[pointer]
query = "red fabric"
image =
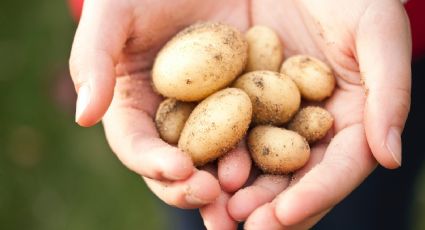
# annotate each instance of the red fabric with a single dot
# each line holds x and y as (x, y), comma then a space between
(76, 6)
(415, 10)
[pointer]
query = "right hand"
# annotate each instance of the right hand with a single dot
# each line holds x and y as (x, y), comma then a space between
(112, 55)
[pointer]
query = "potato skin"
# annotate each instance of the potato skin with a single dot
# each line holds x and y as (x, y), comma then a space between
(171, 117)
(275, 97)
(312, 122)
(265, 51)
(313, 77)
(199, 61)
(276, 150)
(216, 125)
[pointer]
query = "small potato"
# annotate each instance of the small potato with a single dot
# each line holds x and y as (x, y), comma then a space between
(313, 77)
(199, 61)
(276, 150)
(312, 122)
(171, 117)
(216, 125)
(275, 97)
(265, 51)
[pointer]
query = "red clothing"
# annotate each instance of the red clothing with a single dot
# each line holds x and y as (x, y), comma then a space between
(415, 10)
(76, 6)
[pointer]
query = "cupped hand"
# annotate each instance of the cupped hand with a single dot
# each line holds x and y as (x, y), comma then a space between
(112, 55)
(368, 45)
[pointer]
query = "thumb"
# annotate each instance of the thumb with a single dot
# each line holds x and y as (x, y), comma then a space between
(384, 53)
(98, 42)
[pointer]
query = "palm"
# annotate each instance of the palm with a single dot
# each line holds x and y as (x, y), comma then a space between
(305, 33)
(151, 31)
(298, 35)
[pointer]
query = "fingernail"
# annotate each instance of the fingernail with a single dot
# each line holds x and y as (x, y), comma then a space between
(193, 200)
(82, 101)
(173, 177)
(394, 144)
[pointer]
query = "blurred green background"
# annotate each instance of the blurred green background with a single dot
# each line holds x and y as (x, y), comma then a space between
(54, 174)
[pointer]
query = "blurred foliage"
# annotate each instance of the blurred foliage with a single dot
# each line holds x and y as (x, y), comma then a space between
(53, 174)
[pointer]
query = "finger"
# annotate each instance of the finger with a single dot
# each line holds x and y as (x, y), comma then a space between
(341, 170)
(263, 190)
(200, 189)
(215, 215)
(99, 39)
(245, 201)
(265, 218)
(234, 168)
(316, 155)
(132, 134)
(384, 54)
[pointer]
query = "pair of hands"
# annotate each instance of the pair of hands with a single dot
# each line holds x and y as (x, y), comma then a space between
(366, 42)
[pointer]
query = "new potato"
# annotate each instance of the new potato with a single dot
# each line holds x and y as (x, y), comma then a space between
(275, 97)
(313, 77)
(171, 117)
(216, 125)
(265, 51)
(277, 150)
(312, 122)
(199, 61)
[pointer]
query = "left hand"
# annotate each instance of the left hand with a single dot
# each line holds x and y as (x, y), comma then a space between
(368, 45)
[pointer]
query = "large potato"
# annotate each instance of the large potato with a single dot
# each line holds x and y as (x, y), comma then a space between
(312, 122)
(265, 51)
(199, 61)
(216, 125)
(276, 150)
(275, 97)
(171, 117)
(313, 77)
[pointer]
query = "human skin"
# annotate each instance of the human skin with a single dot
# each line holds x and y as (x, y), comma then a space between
(367, 43)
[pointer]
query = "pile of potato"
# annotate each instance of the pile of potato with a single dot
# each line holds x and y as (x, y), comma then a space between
(220, 84)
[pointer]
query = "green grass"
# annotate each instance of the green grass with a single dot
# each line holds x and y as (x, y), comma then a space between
(53, 174)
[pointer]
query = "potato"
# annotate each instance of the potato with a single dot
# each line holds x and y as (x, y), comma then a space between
(275, 97)
(199, 61)
(216, 125)
(265, 51)
(277, 150)
(171, 117)
(312, 122)
(313, 77)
